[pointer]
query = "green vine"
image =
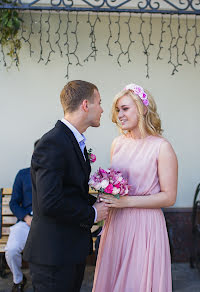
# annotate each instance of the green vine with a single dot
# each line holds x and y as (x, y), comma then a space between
(9, 26)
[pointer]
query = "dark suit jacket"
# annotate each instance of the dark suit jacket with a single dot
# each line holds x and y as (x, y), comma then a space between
(62, 208)
(21, 200)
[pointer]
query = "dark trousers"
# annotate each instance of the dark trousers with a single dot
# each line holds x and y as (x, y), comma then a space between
(57, 279)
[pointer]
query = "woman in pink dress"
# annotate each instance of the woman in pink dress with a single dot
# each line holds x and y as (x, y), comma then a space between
(134, 251)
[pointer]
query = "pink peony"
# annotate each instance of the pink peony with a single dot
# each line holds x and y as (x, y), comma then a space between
(117, 185)
(109, 189)
(102, 171)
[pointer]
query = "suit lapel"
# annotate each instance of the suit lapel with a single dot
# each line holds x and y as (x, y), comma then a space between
(87, 160)
(69, 133)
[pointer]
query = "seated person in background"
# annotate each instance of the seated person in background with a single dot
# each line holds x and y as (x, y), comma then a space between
(21, 206)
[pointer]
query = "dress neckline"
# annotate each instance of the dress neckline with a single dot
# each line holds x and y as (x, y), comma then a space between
(137, 139)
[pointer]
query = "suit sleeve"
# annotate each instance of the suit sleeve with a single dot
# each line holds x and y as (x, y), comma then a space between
(92, 200)
(17, 198)
(63, 204)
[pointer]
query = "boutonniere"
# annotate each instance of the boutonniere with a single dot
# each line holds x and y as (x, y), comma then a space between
(91, 156)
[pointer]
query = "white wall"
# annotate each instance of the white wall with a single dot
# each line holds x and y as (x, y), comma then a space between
(30, 106)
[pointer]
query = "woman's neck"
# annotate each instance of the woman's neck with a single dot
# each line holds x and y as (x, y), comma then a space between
(137, 134)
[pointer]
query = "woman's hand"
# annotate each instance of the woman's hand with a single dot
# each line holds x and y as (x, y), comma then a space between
(112, 202)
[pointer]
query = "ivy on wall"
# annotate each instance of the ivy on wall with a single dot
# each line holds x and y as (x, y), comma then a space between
(9, 27)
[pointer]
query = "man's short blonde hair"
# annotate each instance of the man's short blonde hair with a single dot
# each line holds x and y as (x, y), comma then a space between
(74, 92)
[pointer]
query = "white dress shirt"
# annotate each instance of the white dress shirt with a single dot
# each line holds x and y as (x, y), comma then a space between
(81, 141)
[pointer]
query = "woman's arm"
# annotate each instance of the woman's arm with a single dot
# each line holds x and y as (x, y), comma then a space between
(168, 176)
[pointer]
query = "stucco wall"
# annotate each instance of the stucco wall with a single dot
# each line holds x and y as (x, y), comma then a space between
(30, 97)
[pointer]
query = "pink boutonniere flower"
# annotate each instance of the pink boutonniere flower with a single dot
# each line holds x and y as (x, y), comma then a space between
(91, 156)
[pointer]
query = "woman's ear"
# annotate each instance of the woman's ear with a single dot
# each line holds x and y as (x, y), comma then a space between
(145, 110)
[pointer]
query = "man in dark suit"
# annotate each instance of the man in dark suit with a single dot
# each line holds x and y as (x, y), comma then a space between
(63, 212)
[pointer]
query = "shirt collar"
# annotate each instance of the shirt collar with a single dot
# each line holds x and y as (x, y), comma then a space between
(79, 137)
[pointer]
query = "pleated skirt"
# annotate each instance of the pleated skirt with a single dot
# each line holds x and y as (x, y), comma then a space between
(134, 253)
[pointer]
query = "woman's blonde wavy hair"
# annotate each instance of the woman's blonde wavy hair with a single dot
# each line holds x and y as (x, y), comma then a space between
(149, 122)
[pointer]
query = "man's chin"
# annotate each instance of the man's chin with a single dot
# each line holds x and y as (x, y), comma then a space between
(96, 125)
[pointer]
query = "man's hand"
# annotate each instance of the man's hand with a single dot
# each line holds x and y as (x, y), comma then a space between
(28, 219)
(102, 211)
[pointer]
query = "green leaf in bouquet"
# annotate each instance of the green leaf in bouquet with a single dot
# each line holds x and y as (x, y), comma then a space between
(101, 190)
(117, 196)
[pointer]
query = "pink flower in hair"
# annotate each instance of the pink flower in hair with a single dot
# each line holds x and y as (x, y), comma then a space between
(144, 95)
(145, 102)
(139, 91)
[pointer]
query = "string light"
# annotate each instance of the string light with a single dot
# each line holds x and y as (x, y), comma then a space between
(75, 33)
(121, 52)
(184, 53)
(48, 39)
(149, 43)
(67, 45)
(40, 33)
(58, 33)
(131, 41)
(194, 44)
(109, 37)
(178, 47)
(161, 38)
(92, 36)
(171, 47)
(30, 34)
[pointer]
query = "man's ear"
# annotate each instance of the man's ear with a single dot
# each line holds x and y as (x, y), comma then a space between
(85, 105)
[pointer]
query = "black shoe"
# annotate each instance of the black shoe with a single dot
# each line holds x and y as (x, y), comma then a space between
(20, 286)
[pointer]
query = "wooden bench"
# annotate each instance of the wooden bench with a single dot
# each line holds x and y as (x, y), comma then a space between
(7, 219)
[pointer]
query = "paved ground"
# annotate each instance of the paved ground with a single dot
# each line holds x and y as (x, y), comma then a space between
(184, 280)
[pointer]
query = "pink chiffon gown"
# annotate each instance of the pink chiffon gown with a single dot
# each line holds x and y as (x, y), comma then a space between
(134, 251)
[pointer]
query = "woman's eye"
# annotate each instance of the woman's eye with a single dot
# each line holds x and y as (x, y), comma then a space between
(125, 108)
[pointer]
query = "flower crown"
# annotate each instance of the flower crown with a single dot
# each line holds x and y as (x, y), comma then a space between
(139, 91)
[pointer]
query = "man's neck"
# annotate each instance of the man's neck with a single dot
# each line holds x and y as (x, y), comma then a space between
(76, 121)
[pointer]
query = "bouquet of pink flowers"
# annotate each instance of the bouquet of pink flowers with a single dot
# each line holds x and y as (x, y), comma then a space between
(109, 182)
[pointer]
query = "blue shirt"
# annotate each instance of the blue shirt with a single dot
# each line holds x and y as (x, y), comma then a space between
(21, 200)
(80, 138)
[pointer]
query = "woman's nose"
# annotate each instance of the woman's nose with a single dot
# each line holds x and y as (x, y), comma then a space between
(120, 114)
